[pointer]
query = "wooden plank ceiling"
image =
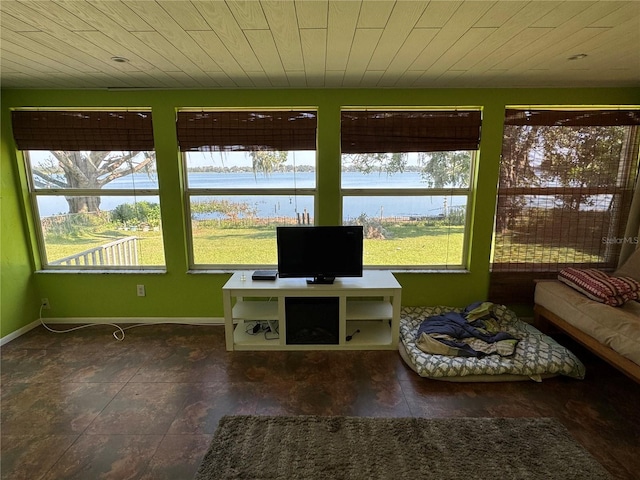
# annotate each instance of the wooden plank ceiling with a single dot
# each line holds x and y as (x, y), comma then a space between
(318, 43)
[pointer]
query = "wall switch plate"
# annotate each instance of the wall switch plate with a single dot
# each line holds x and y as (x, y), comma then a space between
(141, 292)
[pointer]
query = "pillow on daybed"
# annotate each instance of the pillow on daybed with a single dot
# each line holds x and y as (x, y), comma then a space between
(601, 287)
(630, 268)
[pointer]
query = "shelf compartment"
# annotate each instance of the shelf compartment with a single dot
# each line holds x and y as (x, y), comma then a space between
(257, 341)
(369, 310)
(374, 334)
(255, 310)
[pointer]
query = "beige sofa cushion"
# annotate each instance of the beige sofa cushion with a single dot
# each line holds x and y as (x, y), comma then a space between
(615, 327)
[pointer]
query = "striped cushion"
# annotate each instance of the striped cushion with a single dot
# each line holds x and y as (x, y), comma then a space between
(600, 286)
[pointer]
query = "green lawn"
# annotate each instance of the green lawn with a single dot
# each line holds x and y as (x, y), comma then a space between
(516, 252)
(408, 245)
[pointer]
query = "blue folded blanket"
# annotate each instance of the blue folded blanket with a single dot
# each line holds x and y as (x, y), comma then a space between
(464, 337)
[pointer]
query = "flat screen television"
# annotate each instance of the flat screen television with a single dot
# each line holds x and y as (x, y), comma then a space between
(320, 253)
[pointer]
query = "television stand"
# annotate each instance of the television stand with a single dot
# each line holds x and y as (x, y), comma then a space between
(306, 313)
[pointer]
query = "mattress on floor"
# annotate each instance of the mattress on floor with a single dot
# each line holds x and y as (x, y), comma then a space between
(537, 355)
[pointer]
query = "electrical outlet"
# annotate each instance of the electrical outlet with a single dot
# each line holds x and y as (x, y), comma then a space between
(45, 303)
(141, 292)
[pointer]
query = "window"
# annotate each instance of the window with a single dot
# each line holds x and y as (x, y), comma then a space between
(93, 187)
(246, 172)
(406, 177)
(566, 183)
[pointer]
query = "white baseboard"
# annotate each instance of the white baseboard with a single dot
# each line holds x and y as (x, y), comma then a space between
(113, 321)
(136, 320)
(19, 332)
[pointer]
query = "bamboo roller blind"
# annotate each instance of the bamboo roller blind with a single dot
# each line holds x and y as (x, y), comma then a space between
(376, 131)
(553, 214)
(246, 130)
(82, 130)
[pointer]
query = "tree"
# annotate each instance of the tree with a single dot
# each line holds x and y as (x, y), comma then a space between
(388, 163)
(558, 156)
(267, 161)
(446, 169)
(580, 157)
(516, 170)
(89, 170)
(136, 213)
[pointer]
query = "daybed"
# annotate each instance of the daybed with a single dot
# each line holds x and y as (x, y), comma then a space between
(611, 332)
(536, 355)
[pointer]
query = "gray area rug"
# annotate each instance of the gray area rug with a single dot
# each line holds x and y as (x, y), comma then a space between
(359, 448)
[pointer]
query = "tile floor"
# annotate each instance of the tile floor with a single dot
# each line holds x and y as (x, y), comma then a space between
(84, 406)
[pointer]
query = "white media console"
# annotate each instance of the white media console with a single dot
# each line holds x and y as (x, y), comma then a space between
(353, 313)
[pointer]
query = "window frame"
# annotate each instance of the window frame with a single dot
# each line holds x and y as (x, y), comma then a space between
(468, 192)
(78, 129)
(35, 193)
(191, 192)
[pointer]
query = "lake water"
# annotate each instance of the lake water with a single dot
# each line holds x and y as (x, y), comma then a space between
(285, 205)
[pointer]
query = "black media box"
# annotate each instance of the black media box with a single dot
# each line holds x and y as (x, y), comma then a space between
(264, 275)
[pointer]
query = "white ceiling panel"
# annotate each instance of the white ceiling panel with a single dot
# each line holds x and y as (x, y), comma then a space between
(318, 43)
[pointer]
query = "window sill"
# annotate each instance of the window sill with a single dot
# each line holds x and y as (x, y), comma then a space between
(102, 272)
(439, 271)
(230, 271)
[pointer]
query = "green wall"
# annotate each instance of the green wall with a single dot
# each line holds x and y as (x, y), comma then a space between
(178, 293)
(19, 302)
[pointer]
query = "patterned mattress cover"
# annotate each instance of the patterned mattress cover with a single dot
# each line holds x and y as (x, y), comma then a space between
(537, 355)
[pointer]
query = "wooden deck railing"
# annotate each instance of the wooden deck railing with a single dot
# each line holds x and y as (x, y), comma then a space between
(122, 252)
